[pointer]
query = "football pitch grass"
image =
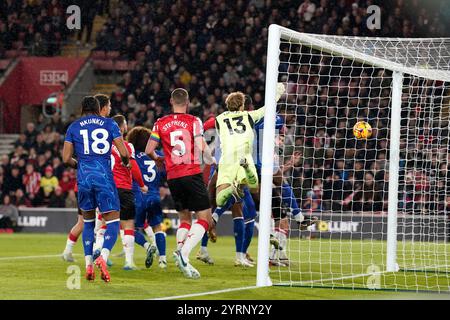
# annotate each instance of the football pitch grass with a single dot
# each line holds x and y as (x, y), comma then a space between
(31, 268)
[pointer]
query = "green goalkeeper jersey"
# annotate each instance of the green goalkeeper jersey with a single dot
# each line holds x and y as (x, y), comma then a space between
(236, 134)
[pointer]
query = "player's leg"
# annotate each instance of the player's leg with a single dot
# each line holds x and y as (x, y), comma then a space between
(212, 198)
(100, 229)
(279, 213)
(155, 220)
(282, 233)
(154, 217)
(72, 238)
(108, 203)
(88, 242)
(179, 196)
(251, 176)
(139, 224)
(239, 236)
(227, 189)
(196, 200)
(249, 214)
(127, 215)
(87, 204)
(149, 232)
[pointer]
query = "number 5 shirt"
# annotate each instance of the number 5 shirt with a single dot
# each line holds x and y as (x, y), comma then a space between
(177, 132)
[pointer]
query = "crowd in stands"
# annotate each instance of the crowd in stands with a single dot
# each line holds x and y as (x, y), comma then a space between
(214, 47)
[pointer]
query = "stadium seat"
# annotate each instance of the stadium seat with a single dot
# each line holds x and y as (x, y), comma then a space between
(112, 54)
(132, 65)
(23, 53)
(4, 63)
(121, 65)
(17, 45)
(10, 54)
(104, 65)
(140, 55)
(98, 55)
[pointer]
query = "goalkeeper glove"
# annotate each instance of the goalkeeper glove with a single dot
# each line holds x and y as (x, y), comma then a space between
(280, 90)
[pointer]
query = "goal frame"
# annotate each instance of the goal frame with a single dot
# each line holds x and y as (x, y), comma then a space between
(276, 33)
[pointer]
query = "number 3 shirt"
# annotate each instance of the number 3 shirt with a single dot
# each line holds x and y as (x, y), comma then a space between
(176, 132)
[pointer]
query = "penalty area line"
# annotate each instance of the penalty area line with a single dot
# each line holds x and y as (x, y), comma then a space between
(204, 293)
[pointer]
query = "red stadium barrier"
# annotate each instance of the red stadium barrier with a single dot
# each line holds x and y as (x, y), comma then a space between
(32, 80)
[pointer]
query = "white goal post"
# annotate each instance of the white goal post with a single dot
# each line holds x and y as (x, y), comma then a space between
(381, 204)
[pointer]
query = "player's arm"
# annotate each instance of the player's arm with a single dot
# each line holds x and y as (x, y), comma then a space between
(67, 155)
(152, 145)
(201, 144)
(123, 151)
(137, 175)
(259, 114)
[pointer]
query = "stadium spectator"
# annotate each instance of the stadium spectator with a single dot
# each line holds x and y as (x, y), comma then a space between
(31, 181)
(216, 47)
(48, 184)
(57, 199)
(71, 200)
(13, 181)
(66, 183)
(20, 199)
(9, 215)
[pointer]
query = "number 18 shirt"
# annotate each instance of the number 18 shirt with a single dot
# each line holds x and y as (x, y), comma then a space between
(176, 132)
(92, 138)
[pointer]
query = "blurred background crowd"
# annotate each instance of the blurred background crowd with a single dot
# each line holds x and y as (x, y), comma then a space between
(215, 47)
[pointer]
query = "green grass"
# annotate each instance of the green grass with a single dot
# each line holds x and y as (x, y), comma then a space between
(45, 277)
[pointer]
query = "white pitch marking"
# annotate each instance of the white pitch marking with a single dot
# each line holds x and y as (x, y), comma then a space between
(204, 293)
(32, 257)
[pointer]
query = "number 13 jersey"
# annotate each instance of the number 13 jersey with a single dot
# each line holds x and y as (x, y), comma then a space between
(236, 134)
(177, 132)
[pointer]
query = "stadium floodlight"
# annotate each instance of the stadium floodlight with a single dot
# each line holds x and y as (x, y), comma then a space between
(383, 202)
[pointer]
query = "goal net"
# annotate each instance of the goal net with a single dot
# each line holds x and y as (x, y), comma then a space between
(382, 204)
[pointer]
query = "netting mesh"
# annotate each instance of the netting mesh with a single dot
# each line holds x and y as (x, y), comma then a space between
(344, 181)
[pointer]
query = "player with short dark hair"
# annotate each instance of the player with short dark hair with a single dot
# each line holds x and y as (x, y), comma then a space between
(91, 138)
(77, 229)
(123, 178)
(148, 205)
(181, 136)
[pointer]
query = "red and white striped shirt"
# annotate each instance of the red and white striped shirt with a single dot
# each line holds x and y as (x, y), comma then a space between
(32, 182)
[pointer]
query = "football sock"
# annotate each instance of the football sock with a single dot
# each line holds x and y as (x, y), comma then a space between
(88, 260)
(98, 223)
(248, 234)
(139, 238)
(220, 210)
(288, 198)
(205, 240)
(150, 234)
(99, 238)
(238, 227)
(88, 237)
(128, 240)
(193, 237)
(249, 214)
(281, 235)
(182, 233)
(112, 230)
(71, 240)
(160, 239)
